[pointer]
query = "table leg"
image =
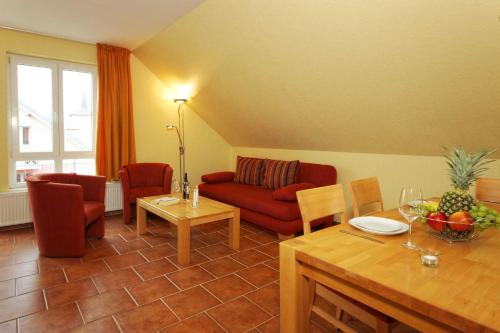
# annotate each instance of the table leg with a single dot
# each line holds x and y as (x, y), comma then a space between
(306, 292)
(234, 230)
(290, 302)
(183, 242)
(141, 220)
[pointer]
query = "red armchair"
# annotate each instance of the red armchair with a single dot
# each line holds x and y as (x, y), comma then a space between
(65, 207)
(142, 180)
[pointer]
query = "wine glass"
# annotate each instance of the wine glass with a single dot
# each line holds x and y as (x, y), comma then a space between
(176, 187)
(410, 207)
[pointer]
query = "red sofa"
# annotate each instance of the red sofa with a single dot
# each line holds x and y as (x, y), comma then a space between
(142, 180)
(65, 207)
(275, 210)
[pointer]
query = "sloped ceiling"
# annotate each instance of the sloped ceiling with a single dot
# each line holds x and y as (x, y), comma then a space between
(387, 76)
(126, 23)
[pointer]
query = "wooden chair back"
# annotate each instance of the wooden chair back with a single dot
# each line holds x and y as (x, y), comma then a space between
(366, 192)
(488, 192)
(320, 202)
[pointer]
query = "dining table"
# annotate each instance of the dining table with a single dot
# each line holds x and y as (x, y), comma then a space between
(461, 294)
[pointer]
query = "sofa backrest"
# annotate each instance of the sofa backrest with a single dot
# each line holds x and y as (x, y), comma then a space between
(318, 174)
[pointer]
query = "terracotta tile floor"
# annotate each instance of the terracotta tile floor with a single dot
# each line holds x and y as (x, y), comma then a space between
(126, 283)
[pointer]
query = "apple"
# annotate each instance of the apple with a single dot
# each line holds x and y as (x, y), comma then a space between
(460, 221)
(437, 221)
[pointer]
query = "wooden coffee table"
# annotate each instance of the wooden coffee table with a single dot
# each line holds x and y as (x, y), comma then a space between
(183, 215)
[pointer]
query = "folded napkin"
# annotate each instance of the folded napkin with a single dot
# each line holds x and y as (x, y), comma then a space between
(166, 201)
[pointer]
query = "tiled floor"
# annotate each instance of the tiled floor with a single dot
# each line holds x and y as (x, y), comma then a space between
(128, 284)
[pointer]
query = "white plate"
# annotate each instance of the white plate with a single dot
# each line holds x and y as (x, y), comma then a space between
(393, 227)
(377, 224)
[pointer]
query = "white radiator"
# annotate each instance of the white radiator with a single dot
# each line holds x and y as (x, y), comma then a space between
(15, 209)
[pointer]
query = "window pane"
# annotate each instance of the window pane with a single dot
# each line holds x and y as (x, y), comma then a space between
(78, 111)
(25, 169)
(84, 166)
(34, 95)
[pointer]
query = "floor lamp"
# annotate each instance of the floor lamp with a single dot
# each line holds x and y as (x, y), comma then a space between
(180, 134)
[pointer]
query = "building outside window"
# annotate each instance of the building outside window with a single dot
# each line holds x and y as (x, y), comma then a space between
(53, 117)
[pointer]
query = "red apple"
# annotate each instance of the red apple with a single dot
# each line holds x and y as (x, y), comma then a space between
(461, 221)
(437, 221)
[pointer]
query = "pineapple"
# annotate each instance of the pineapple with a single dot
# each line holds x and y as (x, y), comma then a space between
(464, 170)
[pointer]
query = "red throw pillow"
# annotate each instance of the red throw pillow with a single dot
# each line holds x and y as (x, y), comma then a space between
(218, 177)
(289, 193)
(279, 174)
(248, 170)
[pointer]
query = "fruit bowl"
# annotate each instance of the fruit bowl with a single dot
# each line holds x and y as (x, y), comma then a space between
(452, 231)
(459, 226)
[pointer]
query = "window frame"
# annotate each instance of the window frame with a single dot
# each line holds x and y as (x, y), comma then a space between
(58, 154)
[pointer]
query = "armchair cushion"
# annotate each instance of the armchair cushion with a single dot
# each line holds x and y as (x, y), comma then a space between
(218, 177)
(92, 210)
(289, 193)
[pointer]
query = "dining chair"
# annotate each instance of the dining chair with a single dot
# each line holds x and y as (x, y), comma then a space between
(365, 195)
(321, 202)
(488, 192)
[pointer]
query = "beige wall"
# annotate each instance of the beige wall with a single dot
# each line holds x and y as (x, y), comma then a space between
(393, 171)
(206, 150)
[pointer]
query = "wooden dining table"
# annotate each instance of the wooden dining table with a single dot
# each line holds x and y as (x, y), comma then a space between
(461, 294)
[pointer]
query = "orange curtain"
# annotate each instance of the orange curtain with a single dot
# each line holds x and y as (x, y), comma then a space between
(115, 127)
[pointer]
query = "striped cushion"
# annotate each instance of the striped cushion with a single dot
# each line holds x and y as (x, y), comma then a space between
(248, 170)
(278, 174)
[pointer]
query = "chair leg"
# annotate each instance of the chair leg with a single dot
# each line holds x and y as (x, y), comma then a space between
(382, 327)
(96, 228)
(339, 313)
(312, 296)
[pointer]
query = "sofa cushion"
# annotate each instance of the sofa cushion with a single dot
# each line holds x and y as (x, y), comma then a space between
(146, 191)
(248, 170)
(289, 193)
(278, 173)
(251, 197)
(218, 177)
(92, 210)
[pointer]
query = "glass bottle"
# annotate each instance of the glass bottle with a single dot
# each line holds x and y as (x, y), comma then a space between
(185, 187)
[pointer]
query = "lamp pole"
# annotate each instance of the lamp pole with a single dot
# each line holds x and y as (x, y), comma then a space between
(180, 135)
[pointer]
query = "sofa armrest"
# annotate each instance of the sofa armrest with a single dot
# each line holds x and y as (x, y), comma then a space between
(94, 187)
(289, 193)
(218, 177)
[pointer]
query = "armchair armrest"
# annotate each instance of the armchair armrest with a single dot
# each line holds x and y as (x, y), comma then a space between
(94, 187)
(58, 207)
(218, 177)
(167, 179)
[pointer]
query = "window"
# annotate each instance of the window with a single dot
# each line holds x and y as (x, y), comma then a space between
(52, 117)
(26, 135)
